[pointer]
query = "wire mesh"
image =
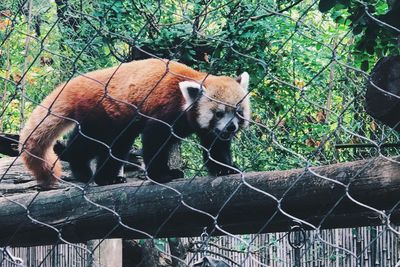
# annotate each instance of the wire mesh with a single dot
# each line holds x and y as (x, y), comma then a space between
(309, 64)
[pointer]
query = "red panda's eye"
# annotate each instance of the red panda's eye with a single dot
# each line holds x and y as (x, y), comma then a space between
(219, 114)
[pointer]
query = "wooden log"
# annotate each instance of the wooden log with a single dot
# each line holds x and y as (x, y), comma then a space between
(239, 204)
(383, 92)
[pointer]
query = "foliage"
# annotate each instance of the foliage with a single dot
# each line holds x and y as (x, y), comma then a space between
(306, 89)
(375, 25)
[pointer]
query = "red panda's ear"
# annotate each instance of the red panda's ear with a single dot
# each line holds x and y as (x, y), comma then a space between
(191, 92)
(243, 79)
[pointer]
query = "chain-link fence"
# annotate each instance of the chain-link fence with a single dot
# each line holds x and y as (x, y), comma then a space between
(312, 166)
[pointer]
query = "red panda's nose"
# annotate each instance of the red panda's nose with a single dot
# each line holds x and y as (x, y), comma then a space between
(231, 127)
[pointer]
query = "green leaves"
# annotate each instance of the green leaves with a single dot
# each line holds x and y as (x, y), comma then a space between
(326, 5)
(371, 36)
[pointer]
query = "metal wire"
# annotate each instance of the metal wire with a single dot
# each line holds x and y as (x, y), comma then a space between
(307, 92)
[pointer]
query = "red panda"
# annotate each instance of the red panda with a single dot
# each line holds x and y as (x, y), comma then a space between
(162, 100)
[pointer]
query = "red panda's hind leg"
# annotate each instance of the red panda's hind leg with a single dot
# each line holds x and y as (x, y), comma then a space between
(108, 167)
(157, 143)
(108, 164)
(80, 151)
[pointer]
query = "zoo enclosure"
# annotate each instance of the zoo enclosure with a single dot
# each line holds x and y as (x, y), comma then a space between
(308, 75)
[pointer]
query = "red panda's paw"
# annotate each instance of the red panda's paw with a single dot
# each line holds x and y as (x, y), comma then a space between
(226, 171)
(167, 176)
(119, 180)
(176, 173)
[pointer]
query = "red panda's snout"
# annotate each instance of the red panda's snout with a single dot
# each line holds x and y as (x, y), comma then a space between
(226, 124)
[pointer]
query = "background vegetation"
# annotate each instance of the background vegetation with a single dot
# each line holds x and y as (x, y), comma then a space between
(308, 61)
(307, 82)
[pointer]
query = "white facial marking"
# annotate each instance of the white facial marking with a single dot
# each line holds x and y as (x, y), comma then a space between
(236, 123)
(246, 111)
(185, 87)
(205, 112)
(244, 80)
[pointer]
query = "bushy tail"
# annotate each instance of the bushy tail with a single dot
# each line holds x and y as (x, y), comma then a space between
(38, 137)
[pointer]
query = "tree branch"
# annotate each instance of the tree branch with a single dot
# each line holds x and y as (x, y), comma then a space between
(160, 211)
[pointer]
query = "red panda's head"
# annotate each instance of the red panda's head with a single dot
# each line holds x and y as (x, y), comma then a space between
(221, 104)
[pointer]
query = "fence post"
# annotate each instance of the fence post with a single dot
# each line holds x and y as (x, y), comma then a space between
(297, 248)
(358, 240)
(177, 249)
(105, 253)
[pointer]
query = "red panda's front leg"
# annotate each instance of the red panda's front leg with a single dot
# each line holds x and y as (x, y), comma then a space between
(217, 155)
(157, 141)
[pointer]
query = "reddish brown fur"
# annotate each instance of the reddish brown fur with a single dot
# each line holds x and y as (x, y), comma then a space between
(109, 92)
